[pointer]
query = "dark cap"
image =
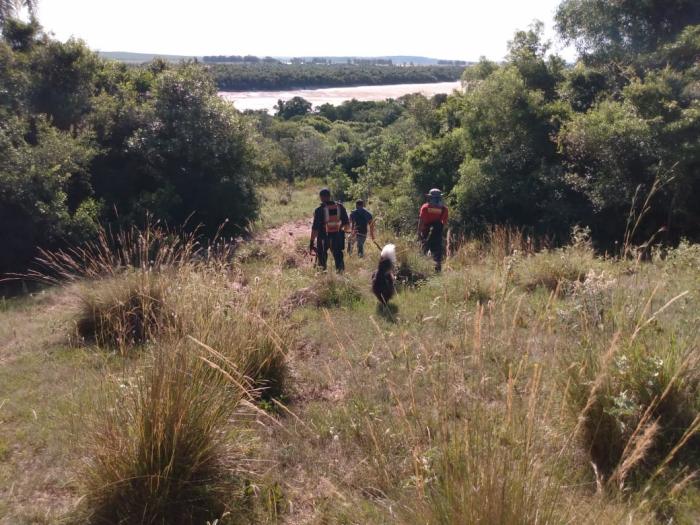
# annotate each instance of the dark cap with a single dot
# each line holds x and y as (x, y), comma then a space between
(325, 192)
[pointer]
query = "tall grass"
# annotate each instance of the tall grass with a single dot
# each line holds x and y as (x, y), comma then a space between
(153, 248)
(636, 407)
(159, 452)
(485, 472)
(162, 448)
(443, 423)
(489, 401)
(123, 311)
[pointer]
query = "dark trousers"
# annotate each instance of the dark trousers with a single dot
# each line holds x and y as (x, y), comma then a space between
(361, 238)
(335, 242)
(432, 242)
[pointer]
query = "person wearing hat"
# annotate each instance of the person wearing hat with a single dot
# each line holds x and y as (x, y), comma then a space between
(432, 219)
(328, 231)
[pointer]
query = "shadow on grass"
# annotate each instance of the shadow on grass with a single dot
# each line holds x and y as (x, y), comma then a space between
(387, 312)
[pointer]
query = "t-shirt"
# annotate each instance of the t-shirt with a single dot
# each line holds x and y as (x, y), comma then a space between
(319, 224)
(361, 218)
(430, 213)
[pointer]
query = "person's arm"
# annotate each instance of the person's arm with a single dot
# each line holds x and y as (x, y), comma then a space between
(314, 232)
(314, 235)
(344, 220)
(421, 224)
(370, 224)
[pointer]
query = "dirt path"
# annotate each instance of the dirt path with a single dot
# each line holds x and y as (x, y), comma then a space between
(289, 239)
(287, 234)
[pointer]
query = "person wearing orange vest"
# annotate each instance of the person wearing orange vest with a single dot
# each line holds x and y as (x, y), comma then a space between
(328, 231)
(432, 219)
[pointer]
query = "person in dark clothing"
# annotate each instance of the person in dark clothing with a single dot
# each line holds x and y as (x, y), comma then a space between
(328, 231)
(431, 224)
(360, 221)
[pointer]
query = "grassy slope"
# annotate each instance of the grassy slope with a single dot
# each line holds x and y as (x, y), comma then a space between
(44, 384)
(363, 429)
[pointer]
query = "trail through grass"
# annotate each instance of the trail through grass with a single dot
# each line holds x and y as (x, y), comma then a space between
(483, 396)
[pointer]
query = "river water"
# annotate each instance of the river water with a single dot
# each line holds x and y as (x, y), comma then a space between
(266, 100)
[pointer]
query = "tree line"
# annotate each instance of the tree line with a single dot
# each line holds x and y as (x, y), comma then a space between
(278, 76)
(610, 143)
(530, 142)
(86, 142)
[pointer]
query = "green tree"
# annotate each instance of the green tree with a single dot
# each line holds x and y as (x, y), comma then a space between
(510, 171)
(12, 8)
(612, 29)
(478, 72)
(610, 150)
(527, 52)
(294, 107)
(35, 190)
(583, 86)
(435, 163)
(63, 83)
(309, 153)
(196, 155)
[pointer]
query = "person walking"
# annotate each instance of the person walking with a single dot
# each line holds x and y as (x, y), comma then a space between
(328, 231)
(432, 219)
(361, 221)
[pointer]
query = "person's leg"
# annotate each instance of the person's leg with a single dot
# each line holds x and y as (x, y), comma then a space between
(361, 238)
(351, 241)
(337, 247)
(322, 252)
(424, 242)
(436, 245)
(437, 256)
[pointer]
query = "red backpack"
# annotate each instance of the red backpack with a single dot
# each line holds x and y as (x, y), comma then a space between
(434, 213)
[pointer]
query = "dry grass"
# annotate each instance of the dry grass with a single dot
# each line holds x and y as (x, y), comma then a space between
(159, 452)
(328, 291)
(484, 398)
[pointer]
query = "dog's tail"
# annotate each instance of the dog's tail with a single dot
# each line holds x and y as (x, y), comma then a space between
(389, 253)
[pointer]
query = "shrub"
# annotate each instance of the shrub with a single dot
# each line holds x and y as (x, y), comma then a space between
(636, 406)
(335, 291)
(159, 452)
(488, 472)
(123, 311)
(553, 268)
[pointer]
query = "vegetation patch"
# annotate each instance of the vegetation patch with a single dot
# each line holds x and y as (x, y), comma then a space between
(329, 291)
(637, 407)
(159, 450)
(122, 312)
(553, 269)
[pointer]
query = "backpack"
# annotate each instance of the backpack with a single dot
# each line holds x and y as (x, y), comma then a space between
(332, 219)
(434, 212)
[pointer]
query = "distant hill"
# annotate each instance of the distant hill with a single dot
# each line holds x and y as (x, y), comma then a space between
(135, 58)
(395, 59)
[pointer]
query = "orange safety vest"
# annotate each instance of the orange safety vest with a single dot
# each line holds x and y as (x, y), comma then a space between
(332, 218)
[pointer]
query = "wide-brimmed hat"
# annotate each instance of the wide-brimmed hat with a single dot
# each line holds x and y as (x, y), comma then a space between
(435, 193)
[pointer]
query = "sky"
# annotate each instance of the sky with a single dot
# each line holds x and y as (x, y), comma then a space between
(447, 29)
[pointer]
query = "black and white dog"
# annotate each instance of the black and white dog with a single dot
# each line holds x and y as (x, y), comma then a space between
(383, 278)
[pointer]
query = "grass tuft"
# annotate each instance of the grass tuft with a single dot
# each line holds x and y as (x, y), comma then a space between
(159, 451)
(637, 408)
(122, 311)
